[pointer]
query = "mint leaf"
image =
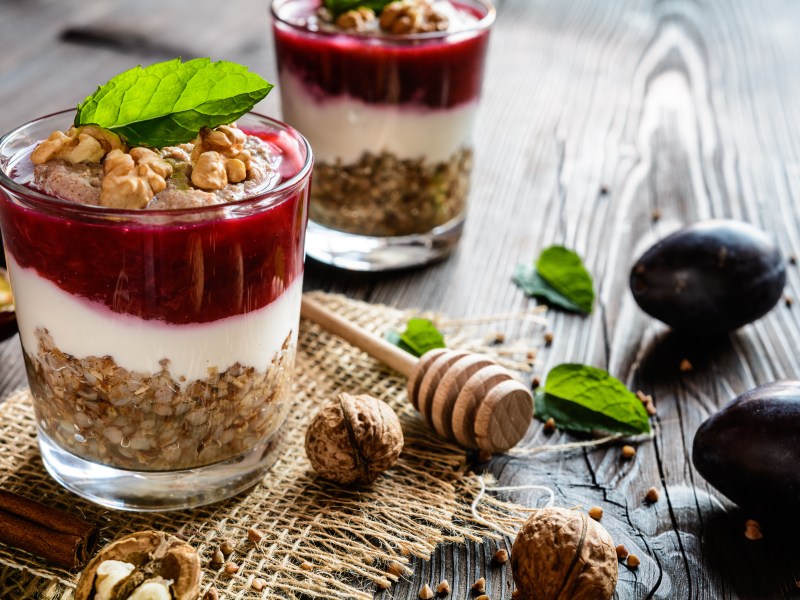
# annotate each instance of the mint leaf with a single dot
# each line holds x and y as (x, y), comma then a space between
(529, 281)
(559, 278)
(420, 336)
(583, 398)
(338, 7)
(168, 103)
(564, 271)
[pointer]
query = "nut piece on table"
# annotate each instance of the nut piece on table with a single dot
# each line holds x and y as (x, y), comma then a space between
(356, 19)
(144, 561)
(354, 439)
(562, 553)
(412, 16)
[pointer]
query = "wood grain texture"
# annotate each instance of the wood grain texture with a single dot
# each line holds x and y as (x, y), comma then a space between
(594, 116)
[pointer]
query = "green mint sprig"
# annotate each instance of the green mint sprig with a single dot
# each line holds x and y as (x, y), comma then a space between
(169, 102)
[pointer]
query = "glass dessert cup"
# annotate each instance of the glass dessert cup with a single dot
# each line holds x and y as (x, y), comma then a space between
(390, 118)
(159, 344)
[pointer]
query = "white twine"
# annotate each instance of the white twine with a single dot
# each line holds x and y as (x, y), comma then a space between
(566, 447)
(511, 488)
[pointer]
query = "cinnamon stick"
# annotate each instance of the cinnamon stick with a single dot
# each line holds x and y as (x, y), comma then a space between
(51, 533)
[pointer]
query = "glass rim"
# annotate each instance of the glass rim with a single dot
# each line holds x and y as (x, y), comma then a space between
(278, 192)
(479, 26)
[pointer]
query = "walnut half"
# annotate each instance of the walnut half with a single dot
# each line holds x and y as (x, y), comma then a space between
(131, 180)
(147, 561)
(88, 144)
(412, 16)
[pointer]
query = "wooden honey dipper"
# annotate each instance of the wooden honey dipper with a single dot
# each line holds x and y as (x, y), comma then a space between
(465, 397)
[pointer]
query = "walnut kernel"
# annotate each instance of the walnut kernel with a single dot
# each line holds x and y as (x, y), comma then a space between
(357, 19)
(354, 439)
(52, 147)
(562, 553)
(209, 171)
(131, 180)
(412, 16)
(152, 557)
(86, 144)
(88, 150)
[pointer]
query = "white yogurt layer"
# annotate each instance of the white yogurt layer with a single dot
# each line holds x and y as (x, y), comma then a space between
(83, 328)
(341, 127)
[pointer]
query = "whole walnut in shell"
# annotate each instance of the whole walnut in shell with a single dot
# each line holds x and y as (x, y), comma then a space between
(152, 556)
(562, 554)
(354, 439)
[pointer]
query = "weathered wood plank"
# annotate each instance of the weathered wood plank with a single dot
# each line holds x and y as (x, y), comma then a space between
(594, 115)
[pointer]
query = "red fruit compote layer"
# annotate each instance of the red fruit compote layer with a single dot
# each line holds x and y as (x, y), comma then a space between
(158, 306)
(388, 102)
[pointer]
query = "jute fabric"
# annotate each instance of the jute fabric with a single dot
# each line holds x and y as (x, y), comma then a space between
(346, 535)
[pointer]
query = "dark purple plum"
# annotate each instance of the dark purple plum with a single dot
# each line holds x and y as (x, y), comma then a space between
(709, 278)
(750, 449)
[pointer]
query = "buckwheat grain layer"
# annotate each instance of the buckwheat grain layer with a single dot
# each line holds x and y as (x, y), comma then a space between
(102, 412)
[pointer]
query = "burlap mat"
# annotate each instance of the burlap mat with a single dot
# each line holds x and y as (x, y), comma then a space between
(347, 535)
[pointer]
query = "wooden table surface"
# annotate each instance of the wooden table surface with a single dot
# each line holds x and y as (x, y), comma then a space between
(595, 114)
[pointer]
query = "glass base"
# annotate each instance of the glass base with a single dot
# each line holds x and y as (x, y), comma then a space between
(148, 491)
(371, 253)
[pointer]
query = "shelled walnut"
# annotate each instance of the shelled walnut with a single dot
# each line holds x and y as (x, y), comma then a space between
(131, 180)
(412, 16)
(561, 553)
(357, 19)
(219, 157)
(147, 564)
(354, 439)
(88, 144)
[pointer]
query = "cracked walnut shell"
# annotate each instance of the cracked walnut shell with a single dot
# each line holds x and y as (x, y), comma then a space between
(561, 553)
(155, 557)
(354, 439)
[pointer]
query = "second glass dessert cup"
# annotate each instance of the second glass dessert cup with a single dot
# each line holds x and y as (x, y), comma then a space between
(159, 344)
(390, 118)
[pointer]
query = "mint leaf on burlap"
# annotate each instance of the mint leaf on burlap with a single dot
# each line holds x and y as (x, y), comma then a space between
(419, 336)
(583, 398)
(169, 102)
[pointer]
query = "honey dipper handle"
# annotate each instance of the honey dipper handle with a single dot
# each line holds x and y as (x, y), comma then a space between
(375, 346)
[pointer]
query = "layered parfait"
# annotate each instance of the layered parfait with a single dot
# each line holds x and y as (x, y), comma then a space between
(387, 93)
(157, 286)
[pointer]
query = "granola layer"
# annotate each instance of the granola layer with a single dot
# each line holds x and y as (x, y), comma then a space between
(383, 195)
(104, 413)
